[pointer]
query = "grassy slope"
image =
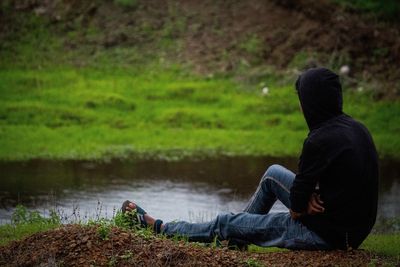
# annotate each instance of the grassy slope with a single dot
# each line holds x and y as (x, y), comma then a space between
(129, 101)
(158, 112)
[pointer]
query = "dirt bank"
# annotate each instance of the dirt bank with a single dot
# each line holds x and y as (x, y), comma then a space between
(76, 245)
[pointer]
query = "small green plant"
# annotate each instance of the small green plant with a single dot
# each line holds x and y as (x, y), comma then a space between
(179, 238)
(19, 215)
(217, 243)
(252, 263)
(145, 233)
(373, 263)
(113, 261)
(104, 229)
(127, 255)
(252, 45)
(122, 220)
(22, 215)
(127, 220)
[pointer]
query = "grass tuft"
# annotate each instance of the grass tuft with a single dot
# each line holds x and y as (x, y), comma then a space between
(25, 223)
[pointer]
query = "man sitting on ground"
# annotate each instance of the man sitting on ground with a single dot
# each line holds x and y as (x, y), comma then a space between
(332, 200)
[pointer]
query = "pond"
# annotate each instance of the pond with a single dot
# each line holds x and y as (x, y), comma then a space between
(192, 190)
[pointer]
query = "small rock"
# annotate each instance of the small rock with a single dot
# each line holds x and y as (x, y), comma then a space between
(265, 91)
(344, 70)
(40, 11)
(85, 239)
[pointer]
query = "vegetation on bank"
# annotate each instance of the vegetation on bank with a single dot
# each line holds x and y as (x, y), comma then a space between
(162, 112)
(25, 223)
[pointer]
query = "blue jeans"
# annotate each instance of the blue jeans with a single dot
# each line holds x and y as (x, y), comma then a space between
(255, 225)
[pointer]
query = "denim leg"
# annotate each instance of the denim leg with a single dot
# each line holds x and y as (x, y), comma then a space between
(256, 225)
(275, 184)
(274, 229)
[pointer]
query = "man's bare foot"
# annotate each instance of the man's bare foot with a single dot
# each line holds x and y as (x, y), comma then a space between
(149, 220)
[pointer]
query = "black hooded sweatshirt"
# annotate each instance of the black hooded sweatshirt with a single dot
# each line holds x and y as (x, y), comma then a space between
(339, 160)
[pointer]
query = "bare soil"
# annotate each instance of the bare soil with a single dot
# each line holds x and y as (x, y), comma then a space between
(75, 245)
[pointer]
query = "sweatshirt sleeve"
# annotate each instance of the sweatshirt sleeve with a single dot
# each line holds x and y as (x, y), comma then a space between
(312, 164)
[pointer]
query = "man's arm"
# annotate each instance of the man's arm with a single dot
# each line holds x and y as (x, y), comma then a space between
(312, 164)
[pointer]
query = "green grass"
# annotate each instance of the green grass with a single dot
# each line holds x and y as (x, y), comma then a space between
(67, 113)
(380, 244)
(25, 223)
(10, 232)
(383, 244)
(257, 249)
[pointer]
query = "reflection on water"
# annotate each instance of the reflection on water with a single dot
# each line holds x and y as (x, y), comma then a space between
(184, 190)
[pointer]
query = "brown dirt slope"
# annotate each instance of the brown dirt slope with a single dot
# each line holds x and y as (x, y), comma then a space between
(216, 35)
(76, 245)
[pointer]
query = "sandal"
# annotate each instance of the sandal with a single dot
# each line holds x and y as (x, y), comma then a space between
(140, 217)
(139, 214)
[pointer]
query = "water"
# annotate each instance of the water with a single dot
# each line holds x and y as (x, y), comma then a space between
(185, 190)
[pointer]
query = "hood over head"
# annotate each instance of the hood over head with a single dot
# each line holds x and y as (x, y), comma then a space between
(320, 94)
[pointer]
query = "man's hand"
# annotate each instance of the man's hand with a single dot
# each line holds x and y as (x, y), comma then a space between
(315, 205)
(295, 215)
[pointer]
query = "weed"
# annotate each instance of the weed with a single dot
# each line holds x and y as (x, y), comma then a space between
(104, 229)
(373, 263)
(127, 220)
(127, 255)
(113, 261)
(179, 238)
(25, 222)
(146, 233)
(176, 23)
(21, 215)
(252, 45)
(122, 220)
(253, 263)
